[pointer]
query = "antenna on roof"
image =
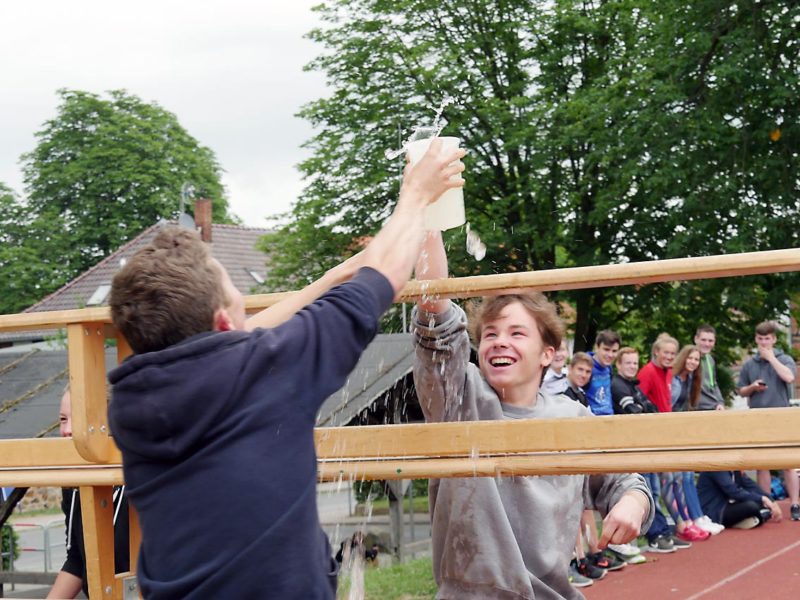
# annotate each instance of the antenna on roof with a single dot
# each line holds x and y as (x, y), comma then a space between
(185, 220)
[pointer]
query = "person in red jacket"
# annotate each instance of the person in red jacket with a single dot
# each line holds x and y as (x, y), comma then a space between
(655, 378)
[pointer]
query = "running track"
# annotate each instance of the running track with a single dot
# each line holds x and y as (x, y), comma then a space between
(761, 563)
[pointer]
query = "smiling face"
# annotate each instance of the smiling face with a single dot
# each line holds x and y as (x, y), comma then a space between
(606, 354)
(559, 358)
(664, 355)
(511, 352)
(692, 361)
(628, 365)
(705, 340)
(580, 373)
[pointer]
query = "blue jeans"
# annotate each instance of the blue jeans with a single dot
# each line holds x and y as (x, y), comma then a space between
(659, 525)
(692, 499)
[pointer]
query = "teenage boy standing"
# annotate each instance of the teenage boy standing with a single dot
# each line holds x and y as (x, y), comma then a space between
(705, 338)
(598, 392)
(765, 380)
(506, 537)
(215, 415)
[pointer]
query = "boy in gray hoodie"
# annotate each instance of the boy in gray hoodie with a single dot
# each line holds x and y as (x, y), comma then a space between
(509, 537)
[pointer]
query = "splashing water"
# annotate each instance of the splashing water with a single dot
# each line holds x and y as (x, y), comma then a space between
(475, 246)
(423, 132)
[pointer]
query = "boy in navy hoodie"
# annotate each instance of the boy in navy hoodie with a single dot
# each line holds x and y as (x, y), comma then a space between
(215, 414)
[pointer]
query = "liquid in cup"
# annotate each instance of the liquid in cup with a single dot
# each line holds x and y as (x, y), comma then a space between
(448, 210)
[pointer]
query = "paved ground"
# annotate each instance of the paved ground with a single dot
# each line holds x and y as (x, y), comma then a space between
(734, 565)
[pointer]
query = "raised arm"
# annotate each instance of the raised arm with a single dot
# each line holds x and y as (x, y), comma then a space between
(432, 264)
(395, 249)
(276, 314)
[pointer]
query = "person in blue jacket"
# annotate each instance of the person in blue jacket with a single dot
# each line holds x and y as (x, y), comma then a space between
(215, 413)
(598, 392)
(735, 500)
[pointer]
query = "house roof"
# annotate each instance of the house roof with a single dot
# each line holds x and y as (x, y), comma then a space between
(232, 245)
(32, 381)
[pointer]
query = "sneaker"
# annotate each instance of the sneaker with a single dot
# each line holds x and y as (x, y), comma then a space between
(693, 534)
(587, 569)
(679, 543)
(624, 550)
(636, 559)
(576, 579)
(795, 510)
(708, 525)
(661, 544)
(606, 561)
(747, 523)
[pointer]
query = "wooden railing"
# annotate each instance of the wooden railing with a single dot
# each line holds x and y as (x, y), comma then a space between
(687, 441)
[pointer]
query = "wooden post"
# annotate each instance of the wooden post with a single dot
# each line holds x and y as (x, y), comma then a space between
(87, 382)
(97, 508)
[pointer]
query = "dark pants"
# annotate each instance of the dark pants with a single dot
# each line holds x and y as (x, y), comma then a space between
(738, 511)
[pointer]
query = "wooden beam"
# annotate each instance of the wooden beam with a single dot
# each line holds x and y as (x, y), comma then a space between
(61, 476)
(97, 509)
(45, 452)
(87, 382)
(564, 464)
(763, 427)
(676, 269)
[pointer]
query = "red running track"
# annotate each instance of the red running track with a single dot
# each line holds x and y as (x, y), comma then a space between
(755, 564)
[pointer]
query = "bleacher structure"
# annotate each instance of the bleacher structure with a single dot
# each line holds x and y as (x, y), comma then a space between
(767, 438)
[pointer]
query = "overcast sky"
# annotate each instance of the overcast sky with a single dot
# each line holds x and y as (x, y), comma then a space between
(230, 70)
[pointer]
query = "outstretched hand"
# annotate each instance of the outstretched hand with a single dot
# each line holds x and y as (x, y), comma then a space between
(624, 521)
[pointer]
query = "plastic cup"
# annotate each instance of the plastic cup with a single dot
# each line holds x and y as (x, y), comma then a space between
(447, 211)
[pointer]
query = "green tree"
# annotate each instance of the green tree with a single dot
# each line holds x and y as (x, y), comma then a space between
(599, 132)
(23, 276)
(103, 170)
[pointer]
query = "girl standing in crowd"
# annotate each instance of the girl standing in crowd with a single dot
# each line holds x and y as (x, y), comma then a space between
(686, 383)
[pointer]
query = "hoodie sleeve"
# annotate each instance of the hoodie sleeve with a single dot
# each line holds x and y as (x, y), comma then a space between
(442, 355)
(602, 492)
(312, 354)
(74, 533)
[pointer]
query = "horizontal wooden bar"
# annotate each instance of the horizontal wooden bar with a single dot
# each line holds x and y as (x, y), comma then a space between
(61, 476)
(764, 427)
(564, 464)
(46, 452)
(657, 271)
(676, 269)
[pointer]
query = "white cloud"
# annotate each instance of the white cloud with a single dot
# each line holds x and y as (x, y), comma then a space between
(231, 71)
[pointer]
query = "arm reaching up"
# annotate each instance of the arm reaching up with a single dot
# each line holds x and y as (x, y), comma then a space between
(395, 249)
(432, 264)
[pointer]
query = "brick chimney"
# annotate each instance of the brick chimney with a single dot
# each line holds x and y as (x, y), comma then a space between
(202, 218)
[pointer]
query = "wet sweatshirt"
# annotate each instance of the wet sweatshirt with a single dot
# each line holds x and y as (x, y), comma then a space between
(217, 440)
(505, 537)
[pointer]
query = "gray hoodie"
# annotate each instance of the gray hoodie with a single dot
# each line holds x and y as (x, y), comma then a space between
(504, 537)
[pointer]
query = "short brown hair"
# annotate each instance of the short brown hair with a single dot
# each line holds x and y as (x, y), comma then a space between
(607, 337)
(168, 291)
(549, 324)
(623, 351)
(767, 328)
(706, 328)
(581, 357)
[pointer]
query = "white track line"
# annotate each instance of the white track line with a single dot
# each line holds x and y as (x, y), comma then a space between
(755, 565)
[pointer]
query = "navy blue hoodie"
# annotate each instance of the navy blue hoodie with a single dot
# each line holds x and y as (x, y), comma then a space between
(217, 443)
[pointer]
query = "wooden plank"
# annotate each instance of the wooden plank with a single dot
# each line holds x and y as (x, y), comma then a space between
(677, 269)
(764, 427)
(564, 464)
(87, 381)
(61, 476)
(97, 509)
(53, 452)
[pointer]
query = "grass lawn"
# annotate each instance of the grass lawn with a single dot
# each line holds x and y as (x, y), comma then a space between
(410, 581)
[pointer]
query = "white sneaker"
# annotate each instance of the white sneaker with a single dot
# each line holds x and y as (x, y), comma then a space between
(706, 524)
(625, 550)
